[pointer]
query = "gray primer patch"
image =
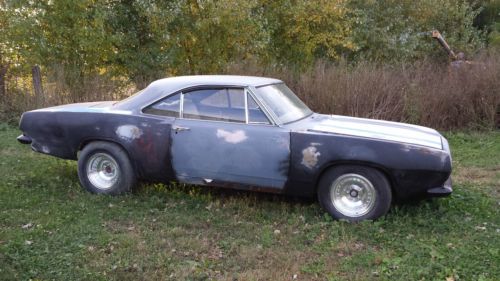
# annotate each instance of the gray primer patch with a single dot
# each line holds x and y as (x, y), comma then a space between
(128, 132)
(232, 137)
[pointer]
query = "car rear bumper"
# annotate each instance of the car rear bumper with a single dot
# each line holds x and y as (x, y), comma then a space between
(441, 191)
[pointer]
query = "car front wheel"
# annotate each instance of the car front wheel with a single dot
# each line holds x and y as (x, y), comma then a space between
(104, 167)
(354, 193)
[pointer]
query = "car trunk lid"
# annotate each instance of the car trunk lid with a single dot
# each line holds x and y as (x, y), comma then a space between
(80, 107)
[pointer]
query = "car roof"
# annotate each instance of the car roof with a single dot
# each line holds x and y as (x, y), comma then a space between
(234, 80)
(162, 87)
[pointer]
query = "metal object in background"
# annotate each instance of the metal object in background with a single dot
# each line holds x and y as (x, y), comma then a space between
(437, 35)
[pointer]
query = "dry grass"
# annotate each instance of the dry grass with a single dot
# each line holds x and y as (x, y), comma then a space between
(425, 93)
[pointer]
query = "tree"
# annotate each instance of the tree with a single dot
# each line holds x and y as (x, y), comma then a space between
(62, 35)
(206, 36)
(5, 48)
(303, 31)
(139, 36)
(394, 30)
(489, 21)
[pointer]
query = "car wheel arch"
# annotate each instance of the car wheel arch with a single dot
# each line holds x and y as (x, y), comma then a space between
(86, 142)
(333, 165)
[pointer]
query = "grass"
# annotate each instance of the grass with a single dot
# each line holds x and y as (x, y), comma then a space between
(51, 229)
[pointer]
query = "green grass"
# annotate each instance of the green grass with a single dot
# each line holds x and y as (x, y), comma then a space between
(51, 229)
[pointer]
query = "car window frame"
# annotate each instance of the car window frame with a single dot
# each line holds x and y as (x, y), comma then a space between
(247, 92)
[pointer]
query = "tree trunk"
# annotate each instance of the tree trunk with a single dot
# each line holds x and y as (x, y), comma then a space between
(3, 82)
(37, 85)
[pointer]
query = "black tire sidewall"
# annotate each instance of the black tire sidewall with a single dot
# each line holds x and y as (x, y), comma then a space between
(127, 177)
(380, 183)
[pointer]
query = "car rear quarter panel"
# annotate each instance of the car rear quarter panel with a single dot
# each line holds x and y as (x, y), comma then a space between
(62, 134)
(411, 169)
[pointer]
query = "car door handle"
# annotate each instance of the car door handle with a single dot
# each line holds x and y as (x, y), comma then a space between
(180, 128)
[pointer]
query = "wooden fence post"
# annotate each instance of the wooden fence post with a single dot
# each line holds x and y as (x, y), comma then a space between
(37, 85)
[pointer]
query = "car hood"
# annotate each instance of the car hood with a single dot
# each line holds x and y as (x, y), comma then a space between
(376, 129)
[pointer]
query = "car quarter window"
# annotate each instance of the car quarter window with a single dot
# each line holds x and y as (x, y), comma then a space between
(255, 113)
(169, 106)
(223, 104)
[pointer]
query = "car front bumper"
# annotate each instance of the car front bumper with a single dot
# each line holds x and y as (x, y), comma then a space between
(24, 139)
(441, 191)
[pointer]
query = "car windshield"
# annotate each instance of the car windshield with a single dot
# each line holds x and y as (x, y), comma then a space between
(283, 102)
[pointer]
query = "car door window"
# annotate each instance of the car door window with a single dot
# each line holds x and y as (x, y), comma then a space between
(169, 106)
(215, 104)
(236, 98)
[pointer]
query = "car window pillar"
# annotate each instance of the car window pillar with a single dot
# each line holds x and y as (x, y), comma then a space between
(181, 111)
(246, 106)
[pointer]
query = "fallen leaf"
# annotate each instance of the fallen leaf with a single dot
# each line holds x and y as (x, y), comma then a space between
(482, 228)
(28, 225)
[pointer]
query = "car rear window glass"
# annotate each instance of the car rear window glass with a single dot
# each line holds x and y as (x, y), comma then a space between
(169, 106)
(215, 104)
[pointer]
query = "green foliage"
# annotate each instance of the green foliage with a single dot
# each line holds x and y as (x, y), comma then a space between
(61, 35)
(489, 15)
(140, 41)
(304, 31)
(394, 30)
(205, 36)
(494, 36)
(489, 20)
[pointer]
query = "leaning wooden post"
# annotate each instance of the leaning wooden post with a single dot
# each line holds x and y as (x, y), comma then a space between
(37, 85)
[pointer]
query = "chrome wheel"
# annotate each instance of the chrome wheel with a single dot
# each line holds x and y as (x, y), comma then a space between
(353, 195)
(102, 170)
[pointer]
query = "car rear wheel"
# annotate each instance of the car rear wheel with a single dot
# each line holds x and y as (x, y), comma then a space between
(354, 193)
(104, 167)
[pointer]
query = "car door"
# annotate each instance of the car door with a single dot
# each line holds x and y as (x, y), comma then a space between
(224, 138)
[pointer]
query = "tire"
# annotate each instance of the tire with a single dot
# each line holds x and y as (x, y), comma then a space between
(354, 193)
(105, 168)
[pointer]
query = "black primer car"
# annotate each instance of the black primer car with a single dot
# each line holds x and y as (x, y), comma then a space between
(246, 133)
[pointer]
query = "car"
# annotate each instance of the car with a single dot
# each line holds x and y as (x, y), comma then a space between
(243, 132)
